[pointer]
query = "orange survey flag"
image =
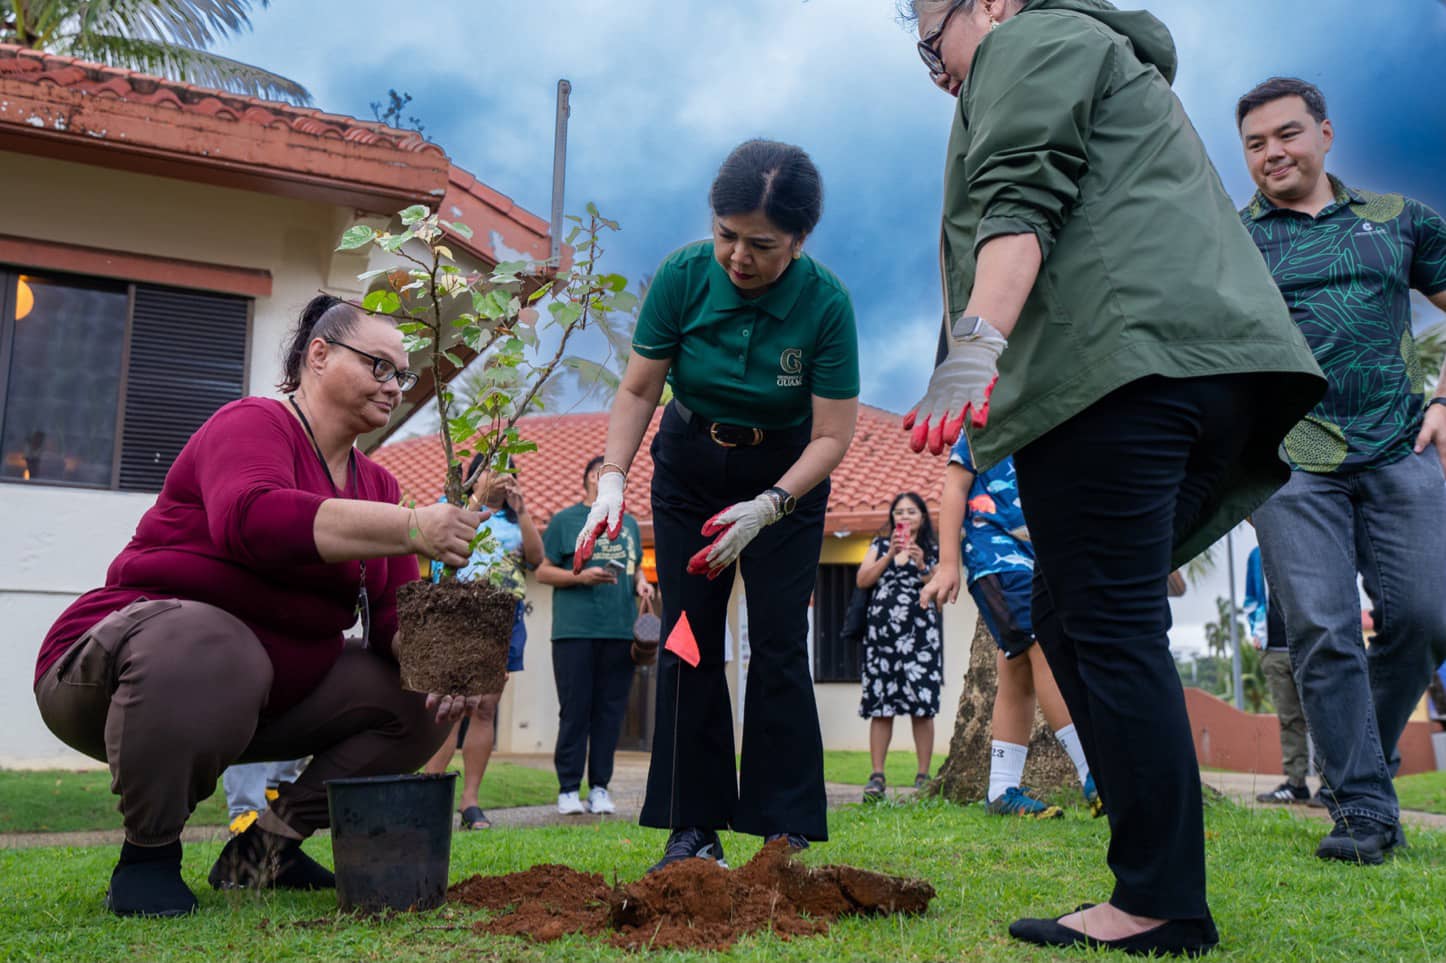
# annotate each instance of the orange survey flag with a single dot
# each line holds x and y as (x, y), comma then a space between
(681, 642)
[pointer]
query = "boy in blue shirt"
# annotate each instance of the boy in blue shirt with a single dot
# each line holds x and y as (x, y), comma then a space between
(997, 555)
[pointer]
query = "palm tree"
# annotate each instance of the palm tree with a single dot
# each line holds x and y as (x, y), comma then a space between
(164, 37)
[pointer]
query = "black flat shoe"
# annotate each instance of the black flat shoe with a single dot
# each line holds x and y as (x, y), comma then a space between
(147, 882)
(1192, 937)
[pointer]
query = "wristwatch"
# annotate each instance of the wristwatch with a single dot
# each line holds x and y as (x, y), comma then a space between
(1433, 401)
(786, 502)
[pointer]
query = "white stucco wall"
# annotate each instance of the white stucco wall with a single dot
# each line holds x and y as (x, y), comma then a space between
(58, 541)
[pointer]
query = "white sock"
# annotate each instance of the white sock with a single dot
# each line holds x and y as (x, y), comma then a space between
(1069, 738)
(1006, 767)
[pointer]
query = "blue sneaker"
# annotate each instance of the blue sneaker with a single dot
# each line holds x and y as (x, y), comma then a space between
(1092, 797)
(690, 844)
(1017, 802)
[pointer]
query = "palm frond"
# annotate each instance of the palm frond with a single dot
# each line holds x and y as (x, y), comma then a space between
(187, 64)
(190, 23)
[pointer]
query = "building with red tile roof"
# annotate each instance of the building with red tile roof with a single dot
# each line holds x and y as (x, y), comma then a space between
(157, 244)
(877, 467)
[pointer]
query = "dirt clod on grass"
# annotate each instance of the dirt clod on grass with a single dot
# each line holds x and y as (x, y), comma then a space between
(692, 904)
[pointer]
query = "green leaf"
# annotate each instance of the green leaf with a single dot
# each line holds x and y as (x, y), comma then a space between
(538, 295)
(624, 301)
(613, 282)
(382, 302)
(411, 343)
(565, 313)
(395, 242)
(413, 214)
(592, 209)
(459, 228)
(454, 359)
(359, 235)
(412, 327)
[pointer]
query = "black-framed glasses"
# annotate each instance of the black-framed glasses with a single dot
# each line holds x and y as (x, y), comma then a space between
(382, 369)
(927, 51)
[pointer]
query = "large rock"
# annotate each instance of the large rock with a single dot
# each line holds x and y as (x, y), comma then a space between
(965, 773)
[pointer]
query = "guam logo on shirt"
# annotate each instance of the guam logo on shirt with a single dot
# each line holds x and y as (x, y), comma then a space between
(791, 364)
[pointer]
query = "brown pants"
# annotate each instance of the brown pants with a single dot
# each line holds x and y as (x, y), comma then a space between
(170, 693)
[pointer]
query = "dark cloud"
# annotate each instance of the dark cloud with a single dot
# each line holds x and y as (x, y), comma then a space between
(663, 90)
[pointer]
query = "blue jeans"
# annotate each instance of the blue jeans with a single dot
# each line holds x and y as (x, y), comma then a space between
(1315, 534)
(246, 783)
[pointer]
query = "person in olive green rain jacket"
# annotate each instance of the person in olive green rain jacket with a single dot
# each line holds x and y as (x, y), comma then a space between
(1149, 374)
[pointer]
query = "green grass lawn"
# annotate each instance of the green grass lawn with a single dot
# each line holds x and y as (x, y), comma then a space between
(846, 766)
(1425, 791)
(63, 801)
(1273, 900)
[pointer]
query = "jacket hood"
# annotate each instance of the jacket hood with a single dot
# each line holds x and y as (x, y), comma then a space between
(1150, 38)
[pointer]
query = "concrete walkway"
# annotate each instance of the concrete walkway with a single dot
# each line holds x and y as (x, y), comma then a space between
(1242, 787)
(630, 776)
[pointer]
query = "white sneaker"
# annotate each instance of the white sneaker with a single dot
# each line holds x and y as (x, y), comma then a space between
(600, 801)
(569, 804)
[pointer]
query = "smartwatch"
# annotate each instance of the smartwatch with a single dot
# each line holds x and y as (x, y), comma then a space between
(787, 503)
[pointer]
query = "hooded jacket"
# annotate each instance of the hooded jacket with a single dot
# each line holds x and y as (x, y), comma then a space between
(1067, 129)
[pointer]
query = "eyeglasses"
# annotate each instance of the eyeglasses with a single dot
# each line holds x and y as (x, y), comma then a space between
(927, 51)
(382, 369)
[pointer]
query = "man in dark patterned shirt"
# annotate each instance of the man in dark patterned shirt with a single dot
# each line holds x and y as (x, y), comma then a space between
(1366, 494)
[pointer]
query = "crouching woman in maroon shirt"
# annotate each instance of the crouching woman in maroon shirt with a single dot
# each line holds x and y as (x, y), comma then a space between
(217, 637)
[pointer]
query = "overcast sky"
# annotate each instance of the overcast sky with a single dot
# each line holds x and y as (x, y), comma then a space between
(663, 89)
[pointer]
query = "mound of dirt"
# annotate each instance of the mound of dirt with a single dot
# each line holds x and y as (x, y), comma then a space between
(692, 904)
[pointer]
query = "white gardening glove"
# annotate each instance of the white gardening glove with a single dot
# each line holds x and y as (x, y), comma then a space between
(739, 525)
(961, 385)
(606, 515)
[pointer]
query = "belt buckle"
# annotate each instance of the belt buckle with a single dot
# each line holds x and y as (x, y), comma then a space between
(757, 437)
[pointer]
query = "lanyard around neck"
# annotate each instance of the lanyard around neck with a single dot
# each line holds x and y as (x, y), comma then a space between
(363, 607)
(316, 447)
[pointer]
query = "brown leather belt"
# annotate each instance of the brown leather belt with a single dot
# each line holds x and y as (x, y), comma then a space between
(725, 436)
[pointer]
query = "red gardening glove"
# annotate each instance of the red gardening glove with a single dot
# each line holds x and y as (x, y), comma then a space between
(735, 527)
(606, 515)
(939, 434)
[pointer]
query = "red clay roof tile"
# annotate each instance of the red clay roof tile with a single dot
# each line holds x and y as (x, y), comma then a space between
(877, 467)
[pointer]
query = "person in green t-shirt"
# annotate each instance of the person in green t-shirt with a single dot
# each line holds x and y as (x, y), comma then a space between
(593, 609)
(758, 342)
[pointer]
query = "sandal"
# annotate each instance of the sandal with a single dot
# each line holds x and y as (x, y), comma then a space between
(921, 780)
(874, 788)
(474, 818)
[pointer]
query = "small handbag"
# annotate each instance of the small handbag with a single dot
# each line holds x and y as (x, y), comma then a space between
(855, 616)
(647, 632)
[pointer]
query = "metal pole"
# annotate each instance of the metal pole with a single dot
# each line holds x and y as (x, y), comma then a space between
(1234, 627)
(559, 168)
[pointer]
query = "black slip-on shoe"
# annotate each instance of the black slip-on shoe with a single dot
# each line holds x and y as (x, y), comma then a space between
(151, 886)
(1192, 937)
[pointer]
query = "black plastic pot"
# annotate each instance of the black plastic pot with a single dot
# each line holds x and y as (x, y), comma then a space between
(391, 839)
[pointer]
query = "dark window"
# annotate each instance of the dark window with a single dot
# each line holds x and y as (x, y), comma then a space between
(102, 382)
(834, 660)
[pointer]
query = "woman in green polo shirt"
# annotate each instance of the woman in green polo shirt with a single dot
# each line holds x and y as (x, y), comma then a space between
(1149, 375)
(757, 340)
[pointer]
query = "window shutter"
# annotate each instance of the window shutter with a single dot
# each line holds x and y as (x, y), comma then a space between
(834, 659)
(187, 359)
